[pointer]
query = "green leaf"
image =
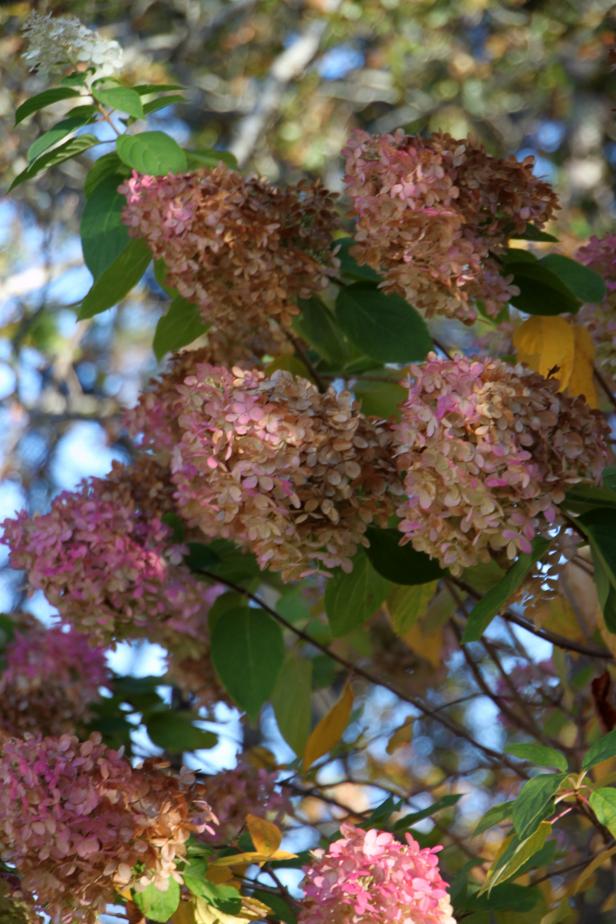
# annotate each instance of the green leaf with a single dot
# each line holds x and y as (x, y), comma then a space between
(174, 732)
(408, 604)
(519, 853)
(600, 527)
(211, 157)
(380, 399)
(350, 267)
(224, 897)
(494, 816)
(401, 564)
(57, 155)
(384, 327)
(351, 598)
(602, 749)
(121, 98)
(518, 899)
(603, 804)
(489, 606)
(105, 166)
(117, 280)
(318, 326)
(403, 824)
(147, 89)
(158, 905)
(292, 702)
(162, 102)
(538, 754)
(584, 497)
(535, 802)
(532, 233)
(178, 327)
(59, 131)
(247, 652)
(609, 477)
(541, 290)
(153, 153)
(103, 235)
(41, 100)
(579, 279)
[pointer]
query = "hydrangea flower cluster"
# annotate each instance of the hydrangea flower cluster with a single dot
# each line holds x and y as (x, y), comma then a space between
(50, 679)
(75, 818)
(293, 475)
(488, 452)
(61, 44)
(600, 255)
(240, 249)
(368, 877)
(239, 792)
(104, 557)
(435, 213)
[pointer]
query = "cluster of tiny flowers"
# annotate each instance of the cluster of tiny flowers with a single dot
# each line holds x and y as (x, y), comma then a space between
(60, 45)
(293, 475)
(368, 877)
(239, 792)
(600, 255)
(75, 818)
(242, 250)
(50, 679)
(488, 452)
(104, 557)
(433, 215)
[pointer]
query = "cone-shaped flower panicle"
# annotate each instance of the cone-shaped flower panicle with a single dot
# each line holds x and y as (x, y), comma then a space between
(600, 319)
(58, 45)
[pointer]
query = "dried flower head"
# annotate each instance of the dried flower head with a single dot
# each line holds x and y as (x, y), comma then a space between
(293, 475)
(239, 792)
(368, 877)
(50, 679)
(433, 213)
(242, 250)
(59, 45)
(75, 818)
(488, 452)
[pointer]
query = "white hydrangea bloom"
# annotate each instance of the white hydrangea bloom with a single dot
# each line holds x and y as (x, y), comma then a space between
(57, 44)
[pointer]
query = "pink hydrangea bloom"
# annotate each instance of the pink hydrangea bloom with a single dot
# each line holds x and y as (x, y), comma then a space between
(239, 792)
(488, 451)
(75, 818)
(242, 250)
(600, 255)
(50, 678)
(105, 559)
(434, 213)
(293, 475)
(368, 877)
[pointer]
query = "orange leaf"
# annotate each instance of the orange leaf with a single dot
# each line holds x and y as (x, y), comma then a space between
(329, 730)
(402, 735)
(266, 836)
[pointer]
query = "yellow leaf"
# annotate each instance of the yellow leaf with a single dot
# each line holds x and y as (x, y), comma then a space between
(544, 343)
(185, 914)
(582, 379)
(329, 730)
(266, 836)
(405, 605)
(249, 857)
(402, 735)
(592, 867)
(252, 910)
(428, 644)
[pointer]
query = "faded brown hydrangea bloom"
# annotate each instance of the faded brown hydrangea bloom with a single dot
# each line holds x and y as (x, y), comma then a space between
(241, 249)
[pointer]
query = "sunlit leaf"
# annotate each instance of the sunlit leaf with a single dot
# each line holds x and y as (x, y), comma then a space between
(330, 729)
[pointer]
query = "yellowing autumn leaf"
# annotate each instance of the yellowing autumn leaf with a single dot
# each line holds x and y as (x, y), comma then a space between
(252, 910)
(582, 880)
(405, 605)
(402, 735)
(249, 857)
(266, 836)
(427, 644)
(329, 730)
(185, 914)
(555, 345)
(582, 380)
